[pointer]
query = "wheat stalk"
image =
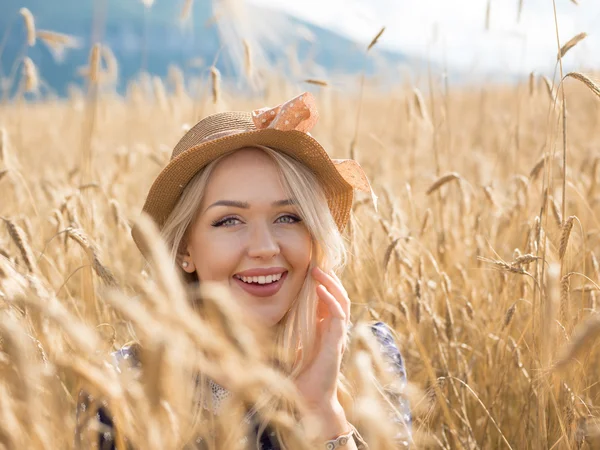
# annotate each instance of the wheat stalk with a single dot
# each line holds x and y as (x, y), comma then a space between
(505, 266)
(186, 11)
(556, 212)
(111, 73)
(116, 213)
(29, 25)
(375, 39)
(20, 239)
(159, 258)
(539, 165)
(520, 10)
(30, 75)
(549, 87)
(216, 84)
(564, 236)
(442, 181)
(570, 44)
(94, 64)
(532, 83)
(592, 86)
(388, 253)
(595, 265)
(79, 236)
(508, 316)
(247, 58)
(58, 43)
(487, 190)
(425, 221)
(524, 260)
(565, 297)
(316, 82)
(420, 105)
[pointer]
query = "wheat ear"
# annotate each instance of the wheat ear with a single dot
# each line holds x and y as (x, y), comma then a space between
(592, 86)
(29, 25)
(570, 44)
(19, 238)
(442, 181)
(564, 236)
(215, 76)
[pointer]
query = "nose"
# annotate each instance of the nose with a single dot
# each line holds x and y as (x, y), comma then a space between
(262, 243)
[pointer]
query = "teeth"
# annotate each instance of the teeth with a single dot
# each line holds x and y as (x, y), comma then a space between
(262, 279)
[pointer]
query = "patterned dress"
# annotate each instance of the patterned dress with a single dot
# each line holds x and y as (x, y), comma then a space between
(267, 440)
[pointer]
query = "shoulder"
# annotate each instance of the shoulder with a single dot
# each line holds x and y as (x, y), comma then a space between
(385, 337)
(127, 357)
(382, 332)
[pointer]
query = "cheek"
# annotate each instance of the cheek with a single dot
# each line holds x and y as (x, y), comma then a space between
(215, 258)
(298, 250)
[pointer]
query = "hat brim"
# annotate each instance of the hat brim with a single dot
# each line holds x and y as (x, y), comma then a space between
(172, 180)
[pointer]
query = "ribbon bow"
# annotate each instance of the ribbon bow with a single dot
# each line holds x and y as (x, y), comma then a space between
(300, 113)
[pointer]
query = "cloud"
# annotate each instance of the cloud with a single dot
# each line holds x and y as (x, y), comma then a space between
(454, 30)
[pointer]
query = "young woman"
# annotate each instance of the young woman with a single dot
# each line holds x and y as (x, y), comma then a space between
(253, 202)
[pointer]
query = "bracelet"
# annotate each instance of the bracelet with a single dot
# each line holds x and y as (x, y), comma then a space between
(340, 441)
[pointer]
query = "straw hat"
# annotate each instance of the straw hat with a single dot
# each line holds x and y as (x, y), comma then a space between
(283, 128)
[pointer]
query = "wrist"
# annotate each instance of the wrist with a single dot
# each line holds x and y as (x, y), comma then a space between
(332, 420)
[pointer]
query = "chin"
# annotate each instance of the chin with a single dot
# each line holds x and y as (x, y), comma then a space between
(265, 319)
(270, 321)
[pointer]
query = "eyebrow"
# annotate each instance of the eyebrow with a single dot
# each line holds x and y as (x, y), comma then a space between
(246, 205)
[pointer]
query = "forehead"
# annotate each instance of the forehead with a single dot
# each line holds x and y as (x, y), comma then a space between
(245, 174)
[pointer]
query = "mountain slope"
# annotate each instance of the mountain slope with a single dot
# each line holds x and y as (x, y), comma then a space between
(151, 39)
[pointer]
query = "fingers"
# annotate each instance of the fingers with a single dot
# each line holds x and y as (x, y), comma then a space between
(335, 287)
(333, 305)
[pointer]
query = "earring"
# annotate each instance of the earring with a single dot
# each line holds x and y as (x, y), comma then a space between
(185, 264)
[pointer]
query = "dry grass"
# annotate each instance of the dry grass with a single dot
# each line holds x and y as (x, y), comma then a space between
(500, 353)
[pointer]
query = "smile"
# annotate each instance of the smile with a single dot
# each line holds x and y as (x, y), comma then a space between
(261, 279)
(261, 286)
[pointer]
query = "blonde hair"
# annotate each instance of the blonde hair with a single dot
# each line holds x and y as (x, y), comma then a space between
(296, 328)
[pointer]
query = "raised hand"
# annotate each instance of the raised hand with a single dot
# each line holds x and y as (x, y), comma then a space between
(318, 382)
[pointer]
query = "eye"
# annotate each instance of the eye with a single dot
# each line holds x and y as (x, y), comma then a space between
(226, 222)
(288, 218)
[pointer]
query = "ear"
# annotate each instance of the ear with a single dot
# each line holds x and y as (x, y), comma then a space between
(185, 260)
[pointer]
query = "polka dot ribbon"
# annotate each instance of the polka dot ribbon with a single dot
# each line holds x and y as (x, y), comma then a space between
(300, 113)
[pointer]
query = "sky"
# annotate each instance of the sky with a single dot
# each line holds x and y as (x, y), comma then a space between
(454, 31)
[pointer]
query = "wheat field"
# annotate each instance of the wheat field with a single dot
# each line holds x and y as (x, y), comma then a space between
(483, 255)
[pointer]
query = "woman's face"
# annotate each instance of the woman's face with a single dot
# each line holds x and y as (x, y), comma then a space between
(248, 236)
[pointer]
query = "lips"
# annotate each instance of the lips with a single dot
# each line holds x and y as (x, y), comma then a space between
(261, 290)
